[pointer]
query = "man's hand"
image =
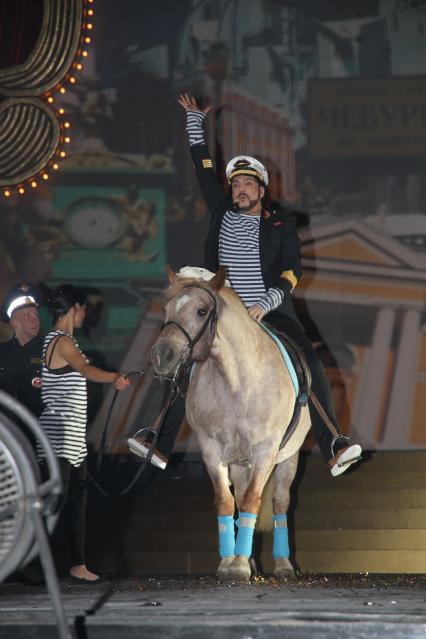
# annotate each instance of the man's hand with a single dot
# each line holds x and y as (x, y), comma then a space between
(256, 312)
(189, 103)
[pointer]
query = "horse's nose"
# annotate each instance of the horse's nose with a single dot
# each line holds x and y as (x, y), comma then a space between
(162, 356)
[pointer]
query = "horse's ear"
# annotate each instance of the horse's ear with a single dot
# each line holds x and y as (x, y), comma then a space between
(171, 274)
(219, 279)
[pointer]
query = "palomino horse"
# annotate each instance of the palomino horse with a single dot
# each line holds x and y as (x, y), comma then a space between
(240, 400)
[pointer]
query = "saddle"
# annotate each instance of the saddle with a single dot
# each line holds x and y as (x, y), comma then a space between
(301, 375)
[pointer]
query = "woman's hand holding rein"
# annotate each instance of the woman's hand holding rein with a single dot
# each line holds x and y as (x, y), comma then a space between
(121, 382)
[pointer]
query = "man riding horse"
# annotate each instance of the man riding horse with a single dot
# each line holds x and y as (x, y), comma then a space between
(260, 250)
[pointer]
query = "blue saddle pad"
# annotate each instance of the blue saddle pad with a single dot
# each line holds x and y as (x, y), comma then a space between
(286, 358)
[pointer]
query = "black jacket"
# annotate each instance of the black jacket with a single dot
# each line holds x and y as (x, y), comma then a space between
(278, 242)
(20, 372)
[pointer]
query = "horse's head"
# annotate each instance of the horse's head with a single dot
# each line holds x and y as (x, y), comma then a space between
(191, 314)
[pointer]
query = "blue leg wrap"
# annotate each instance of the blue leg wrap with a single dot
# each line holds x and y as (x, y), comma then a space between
(280, 548)
(244, 544)
(226, 535)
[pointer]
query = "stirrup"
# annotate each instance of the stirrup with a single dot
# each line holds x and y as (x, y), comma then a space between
(334, 440)
(141, 447)
(344, 458)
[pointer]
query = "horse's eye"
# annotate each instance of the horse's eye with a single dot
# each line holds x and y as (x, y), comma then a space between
(201, 312)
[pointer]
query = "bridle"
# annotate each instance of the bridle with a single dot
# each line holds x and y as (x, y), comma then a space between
(211, 319)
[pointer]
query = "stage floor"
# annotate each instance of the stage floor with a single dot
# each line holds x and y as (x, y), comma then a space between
(318, 607)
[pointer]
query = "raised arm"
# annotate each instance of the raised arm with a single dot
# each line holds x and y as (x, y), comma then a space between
(211, 187)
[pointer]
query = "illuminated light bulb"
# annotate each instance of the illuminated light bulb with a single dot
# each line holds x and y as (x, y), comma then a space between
(45, 176)
(61, 111)
(89, 26)
(73, 80)
(55, 166)
(34, 184)
(84, 54)
(67, 140)
(88, 40)
(67, 125)
(50, 99)
(90, 12)
(62, 154)
(6, 193)
(62, 90)
(79, 66)
(21, 190)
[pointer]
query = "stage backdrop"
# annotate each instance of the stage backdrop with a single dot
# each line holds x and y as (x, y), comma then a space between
(332, 97)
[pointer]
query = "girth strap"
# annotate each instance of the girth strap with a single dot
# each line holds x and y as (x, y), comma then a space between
(298, 359)
(303, 375)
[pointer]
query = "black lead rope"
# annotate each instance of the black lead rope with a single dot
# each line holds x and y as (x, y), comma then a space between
(105, 430)
(173, 394)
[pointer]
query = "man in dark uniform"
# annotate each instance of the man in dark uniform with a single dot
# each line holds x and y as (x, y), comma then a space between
(20, 374)
(20, 357)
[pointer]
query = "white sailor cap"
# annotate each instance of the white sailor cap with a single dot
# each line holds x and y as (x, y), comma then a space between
(246, 165)
(198, 273)
(20, 296)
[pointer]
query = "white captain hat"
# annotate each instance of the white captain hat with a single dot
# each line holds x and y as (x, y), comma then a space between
(246, 165)
(20, 296)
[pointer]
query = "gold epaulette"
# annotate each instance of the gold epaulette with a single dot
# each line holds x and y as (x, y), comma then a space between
(207, 164)
(290, 276)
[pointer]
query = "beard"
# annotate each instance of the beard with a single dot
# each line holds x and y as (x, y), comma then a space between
(248, 204)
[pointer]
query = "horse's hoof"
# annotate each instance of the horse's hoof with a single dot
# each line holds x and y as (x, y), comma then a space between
(283, 568)
(223, 569)
(239, 569)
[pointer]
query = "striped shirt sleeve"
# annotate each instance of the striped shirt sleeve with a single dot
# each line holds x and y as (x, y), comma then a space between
(195, 127)
(271, 299)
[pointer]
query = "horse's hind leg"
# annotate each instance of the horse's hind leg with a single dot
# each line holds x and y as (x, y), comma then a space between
(283, 477)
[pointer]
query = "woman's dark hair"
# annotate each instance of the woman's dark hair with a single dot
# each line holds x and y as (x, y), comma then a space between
(63, 298)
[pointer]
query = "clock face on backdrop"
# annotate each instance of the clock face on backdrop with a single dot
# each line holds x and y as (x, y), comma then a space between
(94, 222)
(101, 236)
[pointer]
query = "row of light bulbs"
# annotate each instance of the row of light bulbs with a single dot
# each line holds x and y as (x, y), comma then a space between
(65, 125)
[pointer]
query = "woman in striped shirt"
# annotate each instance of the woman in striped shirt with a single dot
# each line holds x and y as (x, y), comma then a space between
(64, 418)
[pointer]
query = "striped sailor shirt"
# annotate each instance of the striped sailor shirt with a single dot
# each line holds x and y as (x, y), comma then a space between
(64, 417)
(239, 243)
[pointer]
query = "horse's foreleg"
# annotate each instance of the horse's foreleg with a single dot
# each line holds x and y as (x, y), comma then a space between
(248, 490)
(225, 507)
(283, 478)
